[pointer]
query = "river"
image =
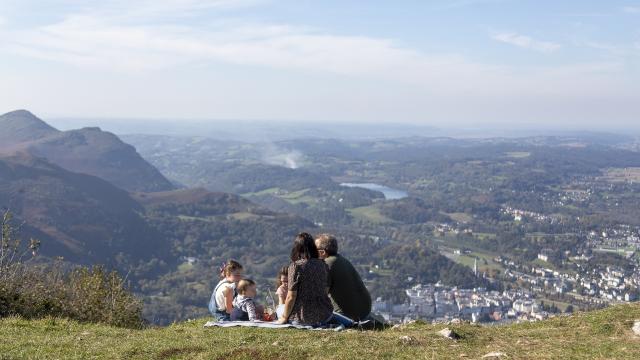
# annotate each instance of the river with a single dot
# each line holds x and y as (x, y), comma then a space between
(389, 193)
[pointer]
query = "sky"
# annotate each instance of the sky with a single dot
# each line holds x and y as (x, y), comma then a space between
(539, 63)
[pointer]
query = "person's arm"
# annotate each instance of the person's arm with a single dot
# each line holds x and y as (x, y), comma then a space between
(228, 298)
(282, 295)
(288, 306)
(330, 280)
(251, 311)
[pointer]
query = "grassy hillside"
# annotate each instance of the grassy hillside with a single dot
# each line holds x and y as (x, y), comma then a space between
(598, 335)
(80, 217)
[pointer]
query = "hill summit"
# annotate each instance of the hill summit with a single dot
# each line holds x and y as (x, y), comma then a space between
(20, 126)
(89, 151)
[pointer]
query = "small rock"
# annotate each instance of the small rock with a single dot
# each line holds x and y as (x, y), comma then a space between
(455, 321)
(636, 328)
(449, 334)
(396, 327)
(407, 340)
(83, 335)
(275, 344)
(495, 354)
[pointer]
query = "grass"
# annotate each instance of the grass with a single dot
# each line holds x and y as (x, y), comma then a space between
(294, 197)
(483, 236)
(460, 217)
(468, 260)
(235, 216)
(369, 213)
(560, 304)
(297, 197)
(604, 334)
(450, 240)
(269, 191)
(543, 264)
(243, 216)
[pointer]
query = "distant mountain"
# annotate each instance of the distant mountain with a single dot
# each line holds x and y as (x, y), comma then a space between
(81, 217)
(20, 126)
(257, 130)
(102, 154)
(88, 151)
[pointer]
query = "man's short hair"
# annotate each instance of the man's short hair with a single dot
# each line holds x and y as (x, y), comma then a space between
(243, 285)
(328, 243)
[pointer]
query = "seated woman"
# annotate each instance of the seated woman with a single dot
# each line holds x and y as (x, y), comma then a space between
(307, 301)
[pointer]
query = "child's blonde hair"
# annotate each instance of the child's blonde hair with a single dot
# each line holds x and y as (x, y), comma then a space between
(244, 285)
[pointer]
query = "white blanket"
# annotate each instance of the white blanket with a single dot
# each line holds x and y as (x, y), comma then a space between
(263, 324)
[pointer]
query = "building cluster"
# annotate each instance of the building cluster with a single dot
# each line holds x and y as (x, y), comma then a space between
(622, 238)
(574, 196)
(605, 285)
(521, 215)
(444, 228)
(609, 285)
(437, 303)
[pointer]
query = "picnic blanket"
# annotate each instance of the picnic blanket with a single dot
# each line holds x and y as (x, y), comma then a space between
(265, 324)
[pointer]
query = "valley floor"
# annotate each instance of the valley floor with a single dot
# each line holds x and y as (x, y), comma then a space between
(604, 334)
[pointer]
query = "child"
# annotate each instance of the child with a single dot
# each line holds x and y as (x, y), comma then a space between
(221, 302)
(283, 284)
(244, 306)
(283, 288)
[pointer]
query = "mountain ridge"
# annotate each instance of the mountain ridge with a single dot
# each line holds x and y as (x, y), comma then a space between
(88, 150)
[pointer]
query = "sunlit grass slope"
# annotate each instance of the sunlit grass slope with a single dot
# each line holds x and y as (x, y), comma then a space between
(604, 334)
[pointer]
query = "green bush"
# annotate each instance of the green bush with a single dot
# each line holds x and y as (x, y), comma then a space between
(84, 294)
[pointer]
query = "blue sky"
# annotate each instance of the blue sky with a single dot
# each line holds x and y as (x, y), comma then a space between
(459, 62)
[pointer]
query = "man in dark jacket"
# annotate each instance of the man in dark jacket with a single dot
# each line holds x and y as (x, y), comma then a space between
(347, 291)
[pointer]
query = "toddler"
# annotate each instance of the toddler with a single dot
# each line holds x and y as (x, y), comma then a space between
(244, 305)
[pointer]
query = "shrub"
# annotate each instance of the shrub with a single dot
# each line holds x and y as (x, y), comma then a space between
(81, 293)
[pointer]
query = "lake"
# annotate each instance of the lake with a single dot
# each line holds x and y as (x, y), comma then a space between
(389, 193)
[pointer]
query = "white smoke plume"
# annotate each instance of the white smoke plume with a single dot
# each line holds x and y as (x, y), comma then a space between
(275, 155)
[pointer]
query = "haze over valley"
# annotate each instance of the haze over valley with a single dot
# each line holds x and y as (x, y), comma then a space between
(167, 209)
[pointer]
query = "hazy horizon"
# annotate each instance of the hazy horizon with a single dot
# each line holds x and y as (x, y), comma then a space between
(569, 65)
(256, 129)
